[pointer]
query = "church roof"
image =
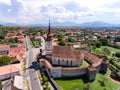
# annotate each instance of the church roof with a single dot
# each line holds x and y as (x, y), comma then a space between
(66, 52)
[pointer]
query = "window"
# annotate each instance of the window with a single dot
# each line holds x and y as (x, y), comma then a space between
(67, 62)
(58, 61)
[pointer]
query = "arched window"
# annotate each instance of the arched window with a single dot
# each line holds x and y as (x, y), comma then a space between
(67, 62)
(58, 61)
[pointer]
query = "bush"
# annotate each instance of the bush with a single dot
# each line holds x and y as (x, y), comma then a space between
(62, 43)
(87, 87)
(1, 84)
(117, 54)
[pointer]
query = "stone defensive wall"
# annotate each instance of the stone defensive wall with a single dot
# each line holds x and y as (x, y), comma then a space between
(75, 71)
(97, 65)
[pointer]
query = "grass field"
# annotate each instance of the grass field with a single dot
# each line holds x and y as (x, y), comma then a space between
(81, 82)
(85, 64)
(36, 43)
(114, 50)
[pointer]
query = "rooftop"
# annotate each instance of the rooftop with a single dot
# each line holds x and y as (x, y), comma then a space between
(4, 46)
(9, 69)
(18, 82)
(67, 52)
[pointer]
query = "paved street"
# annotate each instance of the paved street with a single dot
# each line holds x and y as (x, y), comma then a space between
(42, 43)
(34, 81)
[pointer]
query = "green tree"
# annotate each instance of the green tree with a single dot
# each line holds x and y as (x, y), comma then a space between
(60, 37)
(109, 37)
(104, 41)
(98, 44)
(4, 60)
(117, 54)
(70, 39)
(117, 39)
(62, 43)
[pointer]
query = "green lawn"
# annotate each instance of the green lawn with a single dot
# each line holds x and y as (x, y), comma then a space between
(114, 50)
(36, 43)
(85, 64)
(80, 83)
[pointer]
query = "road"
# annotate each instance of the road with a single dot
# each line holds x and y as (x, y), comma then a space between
(32, 65)
(42, 43)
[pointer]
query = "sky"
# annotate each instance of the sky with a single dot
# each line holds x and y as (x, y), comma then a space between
(77, 11)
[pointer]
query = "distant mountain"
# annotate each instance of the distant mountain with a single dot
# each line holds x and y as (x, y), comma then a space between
(86, 24)
(98, 24)
(64, 24)
(8, 24)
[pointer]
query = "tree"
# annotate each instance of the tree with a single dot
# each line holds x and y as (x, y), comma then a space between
(62, 43)
(60, 37)
(109, 37)
(11, 40)
(70, 39)
(98, 44)
(4, 60)
(1, 36)
(117, 54)
(104, 41)
(117, 39)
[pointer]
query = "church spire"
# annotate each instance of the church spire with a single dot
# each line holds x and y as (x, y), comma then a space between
(49, 31)
(49, 36)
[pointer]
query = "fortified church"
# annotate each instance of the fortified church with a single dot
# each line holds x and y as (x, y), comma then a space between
(65, 61)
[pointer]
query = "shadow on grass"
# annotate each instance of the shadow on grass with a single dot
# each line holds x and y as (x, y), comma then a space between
(102, 83)
(84, 78)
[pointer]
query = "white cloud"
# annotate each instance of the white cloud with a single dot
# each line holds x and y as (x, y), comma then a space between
(39, 11)
(6, 2)
(9, 10)
(95, 3)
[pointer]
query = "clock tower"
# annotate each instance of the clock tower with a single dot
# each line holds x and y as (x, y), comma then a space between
(48, 42)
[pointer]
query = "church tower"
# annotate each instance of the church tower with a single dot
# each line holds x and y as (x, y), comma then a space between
(48, 42)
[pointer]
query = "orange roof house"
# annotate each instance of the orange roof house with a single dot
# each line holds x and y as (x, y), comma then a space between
(4, 49)
(37, 37)
(9, 71)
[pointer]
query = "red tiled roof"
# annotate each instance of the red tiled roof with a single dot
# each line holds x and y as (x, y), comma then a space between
(9, 69)
(66, 52)
(16, 50)
(4, 46)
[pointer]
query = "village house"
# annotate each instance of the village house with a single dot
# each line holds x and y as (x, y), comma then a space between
(94, 38)
(4, 49)
(17, 83)
(9, 71)
(20, 38)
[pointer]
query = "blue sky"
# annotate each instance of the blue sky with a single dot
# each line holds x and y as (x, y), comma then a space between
(78, 11)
